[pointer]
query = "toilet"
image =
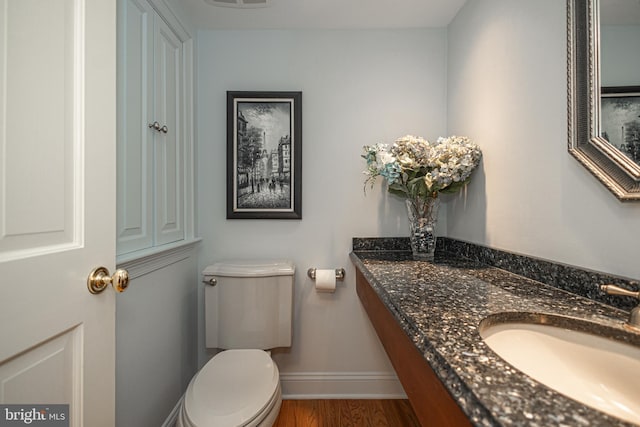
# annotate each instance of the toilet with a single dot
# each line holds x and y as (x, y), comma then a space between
(248, 310)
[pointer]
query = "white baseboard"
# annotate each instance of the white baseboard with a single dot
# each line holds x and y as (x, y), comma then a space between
(173, 416)
(341, 385)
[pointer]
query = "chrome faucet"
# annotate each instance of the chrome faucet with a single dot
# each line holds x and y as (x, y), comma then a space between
(634, 317)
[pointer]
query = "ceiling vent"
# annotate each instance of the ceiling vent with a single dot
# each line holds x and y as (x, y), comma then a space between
(241, 4)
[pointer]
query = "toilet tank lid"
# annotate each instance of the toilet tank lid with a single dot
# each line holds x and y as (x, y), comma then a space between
(250, 268)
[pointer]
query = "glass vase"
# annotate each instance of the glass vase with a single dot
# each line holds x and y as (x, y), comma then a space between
(423, 217)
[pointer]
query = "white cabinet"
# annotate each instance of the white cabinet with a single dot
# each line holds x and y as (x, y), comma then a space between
(154, 147)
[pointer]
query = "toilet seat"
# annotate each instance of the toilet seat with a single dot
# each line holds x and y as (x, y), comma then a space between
(235, 388)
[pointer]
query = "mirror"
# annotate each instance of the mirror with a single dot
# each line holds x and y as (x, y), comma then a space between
(604, 91)
(620, 75)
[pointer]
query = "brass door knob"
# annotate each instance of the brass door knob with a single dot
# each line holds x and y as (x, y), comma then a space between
(99, 279)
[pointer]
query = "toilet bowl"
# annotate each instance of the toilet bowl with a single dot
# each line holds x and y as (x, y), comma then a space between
(235, 388)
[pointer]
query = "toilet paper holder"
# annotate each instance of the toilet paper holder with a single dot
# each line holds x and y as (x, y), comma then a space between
(339, 273)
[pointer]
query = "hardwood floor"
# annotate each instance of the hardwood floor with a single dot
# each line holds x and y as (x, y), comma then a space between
(346, 413)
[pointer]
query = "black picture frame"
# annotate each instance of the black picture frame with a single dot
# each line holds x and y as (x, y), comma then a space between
(264, 155)
(620, 119)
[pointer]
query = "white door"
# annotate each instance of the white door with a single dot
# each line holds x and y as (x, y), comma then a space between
(57, 205)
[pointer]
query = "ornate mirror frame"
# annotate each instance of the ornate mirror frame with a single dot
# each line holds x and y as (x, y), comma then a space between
(615, 170)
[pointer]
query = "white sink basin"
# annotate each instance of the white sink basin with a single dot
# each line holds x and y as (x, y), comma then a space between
(567, 356)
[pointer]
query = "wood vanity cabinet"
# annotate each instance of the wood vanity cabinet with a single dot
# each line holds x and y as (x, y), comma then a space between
(430, 400)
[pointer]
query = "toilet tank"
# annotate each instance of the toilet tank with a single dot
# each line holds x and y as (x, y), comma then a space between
(250, 306)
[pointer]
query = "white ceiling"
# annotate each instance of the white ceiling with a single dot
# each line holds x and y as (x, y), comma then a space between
(326, 14)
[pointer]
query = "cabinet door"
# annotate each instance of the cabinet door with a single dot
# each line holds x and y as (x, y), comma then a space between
(169, 145)
(136, 21)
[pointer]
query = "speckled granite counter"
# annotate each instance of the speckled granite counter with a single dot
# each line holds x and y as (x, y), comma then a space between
(439, 306)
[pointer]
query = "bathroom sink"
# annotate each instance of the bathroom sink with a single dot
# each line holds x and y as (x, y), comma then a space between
(592, 363)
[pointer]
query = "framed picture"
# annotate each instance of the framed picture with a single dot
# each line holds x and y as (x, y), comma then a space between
(264, 155)
(620, 119)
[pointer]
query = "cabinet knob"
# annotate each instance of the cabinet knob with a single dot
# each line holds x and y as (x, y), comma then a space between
(156, 126)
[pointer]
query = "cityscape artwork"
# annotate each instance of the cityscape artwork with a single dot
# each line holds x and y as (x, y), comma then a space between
(620, 119)
(264, 131)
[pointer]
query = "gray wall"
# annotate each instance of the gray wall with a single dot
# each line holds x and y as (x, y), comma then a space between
(359, 87)
(156, 343)
(507, 90)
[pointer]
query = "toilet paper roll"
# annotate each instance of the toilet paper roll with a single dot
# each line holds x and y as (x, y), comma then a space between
(325, 280)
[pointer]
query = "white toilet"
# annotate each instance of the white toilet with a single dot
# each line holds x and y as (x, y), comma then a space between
(248, 309)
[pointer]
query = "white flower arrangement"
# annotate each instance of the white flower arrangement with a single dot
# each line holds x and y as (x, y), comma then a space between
(416, 169)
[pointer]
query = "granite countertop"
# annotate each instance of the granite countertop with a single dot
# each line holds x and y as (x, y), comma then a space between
(440, 304)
